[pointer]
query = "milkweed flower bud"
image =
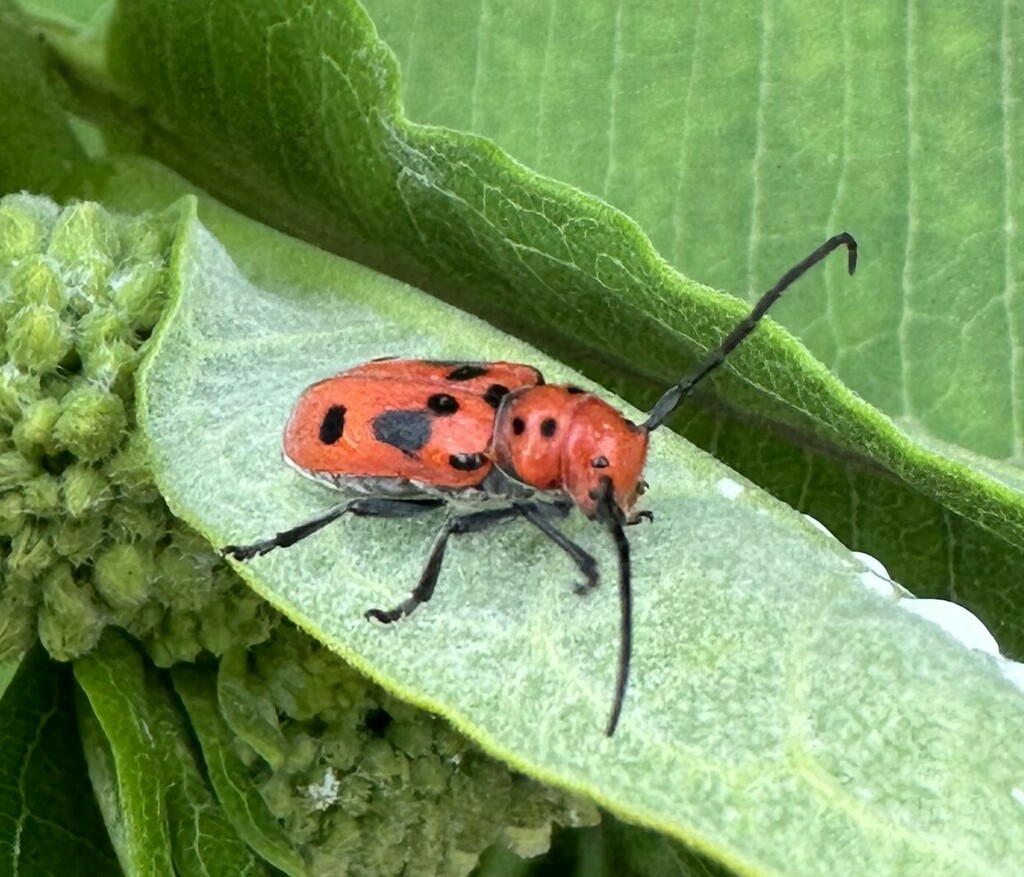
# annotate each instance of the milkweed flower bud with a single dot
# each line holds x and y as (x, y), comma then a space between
(37, 339)
(176, 639)
(70, 622)
(102, 340)
(33, 434)
(86, 539)
(337, 775)
(121, 575)
(146, 240)
(82, 231)
(84, 489)
(78, 541)
(85, 242)
(129, 470)
(12, 516)
(41, 496)
(18, 610)
(128, 520)
(134, 295)
(30, 554)
(91, 424)
(24, 224)
(18, 391)
(35, 281)
(16, 470)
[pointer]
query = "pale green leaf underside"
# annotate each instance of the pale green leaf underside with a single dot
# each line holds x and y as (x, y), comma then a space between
(780, 716)
(738, 135)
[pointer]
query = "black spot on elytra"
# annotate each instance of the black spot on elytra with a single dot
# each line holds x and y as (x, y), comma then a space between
(443, 404)
(573, 390)
(600, 462)
(518, 425)
(332, 427)
(466, 462)
(495, 393)
(548, 426)
(467, 372)
(406, 430)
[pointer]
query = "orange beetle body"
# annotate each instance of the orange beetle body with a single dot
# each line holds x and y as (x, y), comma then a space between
(407, 436)
(567, 440)
(468, 431)
(402, 427)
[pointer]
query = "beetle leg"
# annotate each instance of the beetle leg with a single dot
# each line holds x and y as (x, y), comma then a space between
(639, 517)
(370, 507)
(538, 516)
(471, 523)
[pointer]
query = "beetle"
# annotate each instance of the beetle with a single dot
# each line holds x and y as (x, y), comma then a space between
(401, 438)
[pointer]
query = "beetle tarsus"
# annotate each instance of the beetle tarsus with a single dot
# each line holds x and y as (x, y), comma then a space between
(638, 517)
(389, 616)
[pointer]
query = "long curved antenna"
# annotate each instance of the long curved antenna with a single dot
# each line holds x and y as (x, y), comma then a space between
(612, 516)
(670, 401)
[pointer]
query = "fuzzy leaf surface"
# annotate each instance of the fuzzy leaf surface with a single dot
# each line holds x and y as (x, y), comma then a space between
(767, 679)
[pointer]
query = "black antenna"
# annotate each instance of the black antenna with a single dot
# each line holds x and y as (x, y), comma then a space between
(613, 518)
(670, 401)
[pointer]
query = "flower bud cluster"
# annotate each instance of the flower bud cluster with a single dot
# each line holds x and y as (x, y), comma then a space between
(367, 785)
(85, 539)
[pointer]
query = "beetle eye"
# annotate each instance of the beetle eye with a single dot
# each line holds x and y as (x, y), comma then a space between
(641, 487)
(600, 462)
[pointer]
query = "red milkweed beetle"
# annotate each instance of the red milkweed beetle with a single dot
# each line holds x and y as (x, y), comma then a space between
(404, 437)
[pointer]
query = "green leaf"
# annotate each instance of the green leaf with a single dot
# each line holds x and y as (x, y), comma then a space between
(49, 823)
(124, 758)
(767, 678)
(69, 12)
(736, 136)
(242, 804)
(162, 817)
(7, 671)
(38, 146)
(302, 128)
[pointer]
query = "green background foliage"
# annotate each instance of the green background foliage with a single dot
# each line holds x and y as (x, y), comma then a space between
(733, 140)
(445, 211)
(738, 136)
